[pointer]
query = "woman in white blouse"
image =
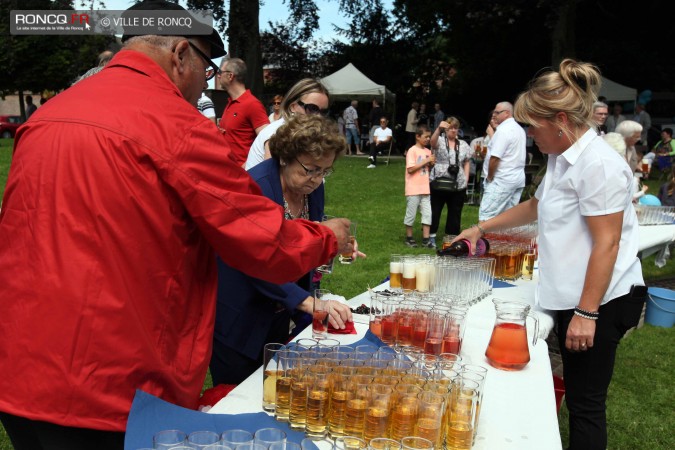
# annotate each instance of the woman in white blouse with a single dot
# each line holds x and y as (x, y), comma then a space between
(588, 269)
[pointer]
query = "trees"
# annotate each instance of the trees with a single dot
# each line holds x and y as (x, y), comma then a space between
(36, 63)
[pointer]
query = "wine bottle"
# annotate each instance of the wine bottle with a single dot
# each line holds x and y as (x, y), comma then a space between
(463, 248)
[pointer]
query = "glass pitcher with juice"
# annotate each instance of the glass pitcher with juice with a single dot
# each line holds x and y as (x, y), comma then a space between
(508, 349)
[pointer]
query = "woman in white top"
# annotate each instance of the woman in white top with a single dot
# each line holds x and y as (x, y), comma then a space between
(307, 96)
(588, 233)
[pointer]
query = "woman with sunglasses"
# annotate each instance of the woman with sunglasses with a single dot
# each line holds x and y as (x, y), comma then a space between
(276, 108)
(307, 96)
(249, 311)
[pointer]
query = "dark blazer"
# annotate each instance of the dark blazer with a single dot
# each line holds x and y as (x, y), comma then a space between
(246, 305)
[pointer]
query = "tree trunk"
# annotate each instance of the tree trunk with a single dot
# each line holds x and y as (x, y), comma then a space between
(563, 33)
(244, 41)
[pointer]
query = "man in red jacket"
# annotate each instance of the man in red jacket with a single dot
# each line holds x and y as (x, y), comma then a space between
(119, 197)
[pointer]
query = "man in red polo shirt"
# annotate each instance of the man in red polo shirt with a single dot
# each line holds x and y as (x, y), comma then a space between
(244, 116)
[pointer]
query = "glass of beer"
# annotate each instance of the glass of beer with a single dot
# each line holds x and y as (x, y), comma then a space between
(528, 265)
(460, 419)
(409, 282)
(378, 411)
(405, 405)
(347, 258)
(271, 371)
(288, 360)
(429, 420)
(395, 271)
(321, 312)
(318, 398)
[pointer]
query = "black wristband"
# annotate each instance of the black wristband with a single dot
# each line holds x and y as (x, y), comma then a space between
(586, 314)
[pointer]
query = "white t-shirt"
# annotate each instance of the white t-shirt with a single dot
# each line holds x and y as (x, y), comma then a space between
(256, 154)
(382, 133)
(205, 106)
(508, 144)
(588, 179)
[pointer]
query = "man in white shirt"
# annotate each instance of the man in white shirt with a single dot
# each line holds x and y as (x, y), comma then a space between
(381, 141)
(504, 167)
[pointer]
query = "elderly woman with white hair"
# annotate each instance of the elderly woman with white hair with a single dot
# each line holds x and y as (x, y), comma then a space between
(631, 131)
(618, 143)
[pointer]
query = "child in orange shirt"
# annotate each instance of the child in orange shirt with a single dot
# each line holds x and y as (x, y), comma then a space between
(419, 160)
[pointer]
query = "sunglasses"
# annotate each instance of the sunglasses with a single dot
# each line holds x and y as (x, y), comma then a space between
(277, 103)
(311, 108)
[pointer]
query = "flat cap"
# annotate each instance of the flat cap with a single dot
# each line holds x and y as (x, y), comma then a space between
(210, 35)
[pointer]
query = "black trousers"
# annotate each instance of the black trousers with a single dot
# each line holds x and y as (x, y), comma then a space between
(455, 203)
(378, 148)
(587, 374)
(27, 434)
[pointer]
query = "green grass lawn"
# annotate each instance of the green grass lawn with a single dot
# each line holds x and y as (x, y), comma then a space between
(640, 398)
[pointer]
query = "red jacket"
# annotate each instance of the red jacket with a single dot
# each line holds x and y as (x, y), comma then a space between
(118, 194)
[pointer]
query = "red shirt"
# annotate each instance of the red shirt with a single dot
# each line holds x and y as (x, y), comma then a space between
(119, 192)
(240, 119)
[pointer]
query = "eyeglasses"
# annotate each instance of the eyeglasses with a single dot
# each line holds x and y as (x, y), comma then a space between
(312, 173)
(311, 108)
(496, 113)
(210, 71)
(277, 103)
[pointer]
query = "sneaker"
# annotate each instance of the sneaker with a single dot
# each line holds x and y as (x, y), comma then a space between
(371, 158)
(432, 242)
(410, 242)
(371, 166)
(426, 243)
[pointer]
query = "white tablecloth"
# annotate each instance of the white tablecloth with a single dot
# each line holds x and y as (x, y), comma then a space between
(518, 410)
(655, 238)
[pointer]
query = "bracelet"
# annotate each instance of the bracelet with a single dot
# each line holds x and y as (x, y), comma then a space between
(586, 314)
(482, 231)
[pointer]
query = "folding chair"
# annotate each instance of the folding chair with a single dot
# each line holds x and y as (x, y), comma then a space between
(391, 145)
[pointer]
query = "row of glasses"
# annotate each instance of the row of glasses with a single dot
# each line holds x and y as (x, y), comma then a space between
(467, 278)
(357, 394)
(430, 322)
(262, 439)
(515, 251)
(405, 443)
(655, 215)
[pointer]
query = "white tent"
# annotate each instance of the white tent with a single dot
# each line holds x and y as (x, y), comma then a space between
(615, 92)
(349, 83)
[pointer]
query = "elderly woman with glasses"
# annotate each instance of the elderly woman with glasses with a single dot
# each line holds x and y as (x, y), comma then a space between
(307, 96)
(251, 312)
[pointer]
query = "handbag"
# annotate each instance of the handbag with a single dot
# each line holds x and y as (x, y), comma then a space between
(448, 183)
(445, 184)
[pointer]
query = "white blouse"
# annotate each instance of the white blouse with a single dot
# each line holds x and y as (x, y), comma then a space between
(588, 179)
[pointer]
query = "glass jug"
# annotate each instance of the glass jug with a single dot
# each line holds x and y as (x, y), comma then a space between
(508, 349)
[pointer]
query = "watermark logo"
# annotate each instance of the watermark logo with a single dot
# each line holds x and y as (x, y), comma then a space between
(131, 22)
